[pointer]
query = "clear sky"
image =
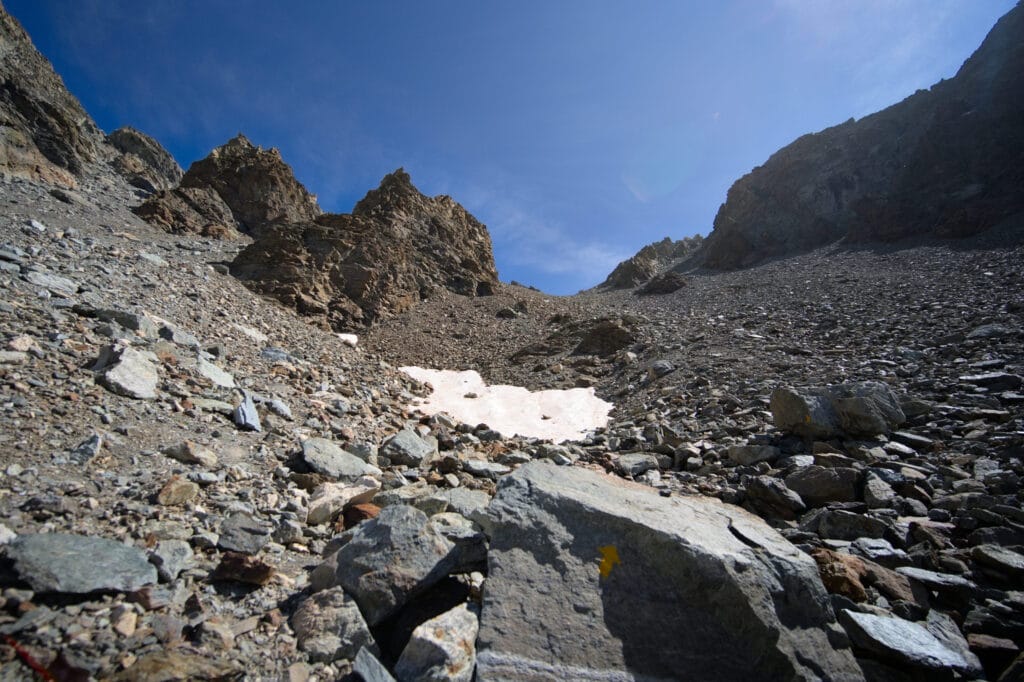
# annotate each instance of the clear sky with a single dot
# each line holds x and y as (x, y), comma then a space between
(576, 130)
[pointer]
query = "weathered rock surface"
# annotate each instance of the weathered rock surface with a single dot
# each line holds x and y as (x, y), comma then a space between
(254, 184)
(143, 162)
(396, 248)
(856, 409)
(328, 626)
(391, 559)
(45, 134)
(945, 162)
(590, 577)
(441, 649)
(78, 564)
(649, 261)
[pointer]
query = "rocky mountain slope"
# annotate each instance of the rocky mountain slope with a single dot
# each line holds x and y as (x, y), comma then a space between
(813, 469)
(947, 162)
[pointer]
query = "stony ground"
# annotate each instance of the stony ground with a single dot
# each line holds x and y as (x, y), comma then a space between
(150, 442)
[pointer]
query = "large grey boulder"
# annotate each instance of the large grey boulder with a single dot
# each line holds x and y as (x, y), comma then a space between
(78, 564)
(408, 448)
(856, 409)
(591, 577)
(442, 649)
(328, 626)
(906, 643)
(391, 559)
(129, 372)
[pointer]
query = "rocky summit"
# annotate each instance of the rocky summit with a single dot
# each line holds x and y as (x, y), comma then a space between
(812, 471)
(396, 248)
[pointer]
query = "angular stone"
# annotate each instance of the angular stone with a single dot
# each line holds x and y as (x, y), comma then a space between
(769, 497)
(172, 666)
(329, 627)
(369, 668)
(877, 493)
(902, 642)
(214, 373)
(61, 286)
(131, 373)
(77, 564)
(177, 491)
(635, 463)
(189, 452)
(406, 447)
(326, 457)
(841, 573)
(482, 468)
(245, 415)
(391, 559)
(240, 532)
(330, 499)
(592, 577)
(443, 648)
(746, 455)
(1000, 558)
(856, 409)
(839, 524)
(85, 451)
(243, 568)
(171, 557)
(937, 581)
(817, 485)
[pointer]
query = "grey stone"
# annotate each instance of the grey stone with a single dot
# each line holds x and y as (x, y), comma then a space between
(901, 641)
(245, 415)
(140, 323)
(330, 499)
(995, 381)
(78, 564)
(85, 451)
(214, 373)
(592, 577)
(171, 557)
(469, 540)
(62, 286)
(240, 532)
(856, 409)
(369, 668)
(752, 454)
(635, 463)
(818, 485)
(877, 493)
(329, 627)
(189, 452)
(391, 559)
(844, 525)
(465, 501)
(326, 457)
(991, 331)
(442, 648)
(935, 580)
(770, 497)
(406, 447)
(131, 373)
(880, 551)
(1000, 558)
(482, 468)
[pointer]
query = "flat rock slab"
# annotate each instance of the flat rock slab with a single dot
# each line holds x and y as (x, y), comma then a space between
(78, 564)
(902, 641)
(591, 577)
(327, 458)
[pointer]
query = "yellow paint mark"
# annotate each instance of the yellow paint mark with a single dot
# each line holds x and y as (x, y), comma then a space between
(807, 418)
(609, 558)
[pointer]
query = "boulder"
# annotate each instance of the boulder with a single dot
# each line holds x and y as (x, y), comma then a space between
(327, 458)
(408, 448)
(818, 485)
(854, 409)
(328, 626)
(78, 564)
(905, 643)
(130, 372)
(391, 559)
(592, 577)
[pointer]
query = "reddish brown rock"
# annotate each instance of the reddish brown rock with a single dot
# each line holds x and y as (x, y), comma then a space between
(243, 568)
(841, 573)
(189, 210)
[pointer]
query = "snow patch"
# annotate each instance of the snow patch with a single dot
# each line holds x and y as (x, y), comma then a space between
(556, 415)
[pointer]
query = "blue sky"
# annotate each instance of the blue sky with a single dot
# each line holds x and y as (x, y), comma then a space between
(577, 130)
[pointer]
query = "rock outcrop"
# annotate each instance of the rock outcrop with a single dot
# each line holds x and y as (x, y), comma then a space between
(45, 134)
(594, 578)
(650, 261)
(394, 249)
(255, 184)
(946, 162)
(143, 161)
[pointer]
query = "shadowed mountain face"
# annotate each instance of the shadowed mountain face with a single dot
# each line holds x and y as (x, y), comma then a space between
(396, 248)
(947, 162)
